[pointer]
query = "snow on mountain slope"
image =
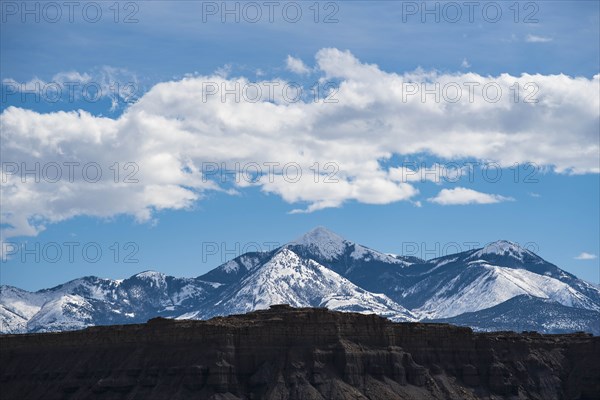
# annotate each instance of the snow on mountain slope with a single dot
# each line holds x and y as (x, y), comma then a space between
(492, 285)
(55, 308)
(100, 301)
(528, 313)
(17, 307)
(323, 244)
(67, 312)
(503, 248)
(371, 270)
(191, 291)
(512, 255)
(235, 269)
(320, 269)
(154, 278)
(290, 279)
(11, 321)
(147, 289)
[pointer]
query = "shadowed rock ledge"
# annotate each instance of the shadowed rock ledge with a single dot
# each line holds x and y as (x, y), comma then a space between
(297, 354)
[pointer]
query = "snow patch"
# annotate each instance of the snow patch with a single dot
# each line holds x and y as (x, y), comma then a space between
(502, 248)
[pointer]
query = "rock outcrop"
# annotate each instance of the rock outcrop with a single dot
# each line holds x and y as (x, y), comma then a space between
(297, 354)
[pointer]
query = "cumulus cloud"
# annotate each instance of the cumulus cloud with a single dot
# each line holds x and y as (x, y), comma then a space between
(537, 39)
(177, 127)
(586, 256)
(463, 196)
(296, 65)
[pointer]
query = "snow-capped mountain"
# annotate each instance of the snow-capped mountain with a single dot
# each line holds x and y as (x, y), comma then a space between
(93, 301)
(478, 279)
(287, 278)
(367, 268)
(342, 255)
(479, 288)
(527, 313)
(482, 285)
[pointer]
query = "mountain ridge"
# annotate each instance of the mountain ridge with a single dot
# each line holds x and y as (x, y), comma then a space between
(318, 269)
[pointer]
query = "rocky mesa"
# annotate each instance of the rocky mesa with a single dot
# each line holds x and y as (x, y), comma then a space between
(297, 354)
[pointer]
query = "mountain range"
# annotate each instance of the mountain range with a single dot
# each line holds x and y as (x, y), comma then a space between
(498, 287)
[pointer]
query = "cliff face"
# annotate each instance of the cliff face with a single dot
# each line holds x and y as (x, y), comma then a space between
(301, 354)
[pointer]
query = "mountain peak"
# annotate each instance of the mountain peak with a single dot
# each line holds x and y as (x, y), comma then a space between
(155, 278)
(149, 274)
(323, 241)
(325, 246)
(502, 248)
(502, 245)
(325, 270)
(319, 233)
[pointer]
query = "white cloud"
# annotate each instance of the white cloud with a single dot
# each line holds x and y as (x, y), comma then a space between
(537, 39)
(436, 173)
(72, 76)
(116, 84)
(586, 256)
(462, 196)
(465, 63)
(173, 129)
(224, 71)
(296, 65)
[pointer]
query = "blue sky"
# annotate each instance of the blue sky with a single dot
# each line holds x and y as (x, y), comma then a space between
(554, 211)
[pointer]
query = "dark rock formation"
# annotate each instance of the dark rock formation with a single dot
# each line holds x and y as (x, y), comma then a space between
(301, 354)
